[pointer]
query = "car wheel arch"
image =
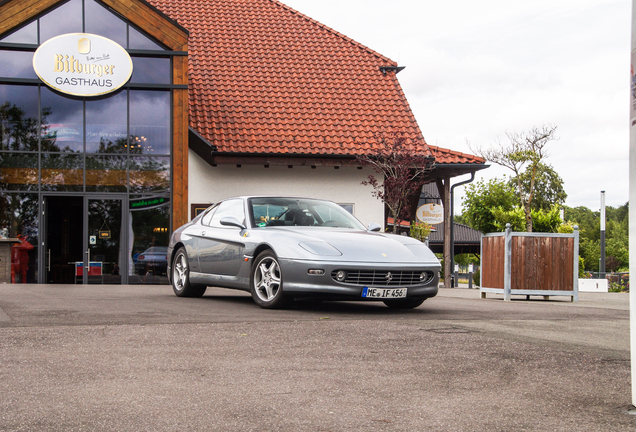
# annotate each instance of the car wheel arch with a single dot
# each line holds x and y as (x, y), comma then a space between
(175, 249)
(261, 248)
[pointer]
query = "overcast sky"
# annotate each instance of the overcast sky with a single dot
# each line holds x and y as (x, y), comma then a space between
(476, 69)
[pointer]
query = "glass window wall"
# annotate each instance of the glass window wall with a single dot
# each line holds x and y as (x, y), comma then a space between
(101, 22)
(18, 117)
(106, 129)
(63, 148)
(24, 35)
(16, 64)
(19, 171)
(19, 221)
(62, 123)
(151, 70)
(62, 172)
(150, 228)
(64, 19)
(150, 122)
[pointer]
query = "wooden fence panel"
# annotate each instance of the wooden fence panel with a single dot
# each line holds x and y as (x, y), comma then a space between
(540, 264)
(492, 269)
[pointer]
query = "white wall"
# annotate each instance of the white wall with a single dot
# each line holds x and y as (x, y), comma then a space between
(208, 184)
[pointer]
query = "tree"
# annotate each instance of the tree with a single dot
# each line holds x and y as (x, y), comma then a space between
(548, 187)
(616, 233)
(481, 198)
(402, 170)
(522, 154)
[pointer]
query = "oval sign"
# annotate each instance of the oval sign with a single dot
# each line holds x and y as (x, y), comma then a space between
(82, 64)
(430, 213)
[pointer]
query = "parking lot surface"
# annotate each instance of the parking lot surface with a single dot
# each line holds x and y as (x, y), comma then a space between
(137, 358)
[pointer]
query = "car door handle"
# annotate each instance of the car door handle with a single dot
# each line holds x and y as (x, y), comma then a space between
(202, 233)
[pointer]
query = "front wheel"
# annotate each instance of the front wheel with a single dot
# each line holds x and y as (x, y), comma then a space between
(406, 303)
(266, 283)
(181, 277)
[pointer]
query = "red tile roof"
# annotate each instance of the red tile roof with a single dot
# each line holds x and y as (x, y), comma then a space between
(265, 78)
(447, 156)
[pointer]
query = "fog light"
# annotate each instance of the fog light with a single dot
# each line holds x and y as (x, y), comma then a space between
(341, 275)
(316, 272)
(423, 276)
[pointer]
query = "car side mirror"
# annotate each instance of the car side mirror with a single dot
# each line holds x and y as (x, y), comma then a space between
(374, 227)
(232, 222)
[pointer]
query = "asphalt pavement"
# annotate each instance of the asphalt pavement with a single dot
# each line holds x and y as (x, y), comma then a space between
(137, 358)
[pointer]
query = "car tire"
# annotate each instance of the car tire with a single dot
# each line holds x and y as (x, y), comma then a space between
(266, 282)
(407, 303)
(181, 277)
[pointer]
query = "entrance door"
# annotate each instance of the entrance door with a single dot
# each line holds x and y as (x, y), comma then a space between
(84, 240)
(63, 240)
(105, 249)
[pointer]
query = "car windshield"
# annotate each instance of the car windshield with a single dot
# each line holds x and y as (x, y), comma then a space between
(300, 212)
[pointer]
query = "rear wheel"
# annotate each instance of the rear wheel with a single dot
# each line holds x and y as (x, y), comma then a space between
(407, 303)
(266, 283)
(181, 277)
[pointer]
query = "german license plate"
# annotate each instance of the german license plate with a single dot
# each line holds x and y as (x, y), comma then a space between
(383, 293)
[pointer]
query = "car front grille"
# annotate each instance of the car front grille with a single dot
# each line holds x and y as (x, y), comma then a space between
(384, 277)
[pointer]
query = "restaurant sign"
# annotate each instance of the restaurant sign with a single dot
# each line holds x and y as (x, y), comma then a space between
(431, 214)
(82, 64)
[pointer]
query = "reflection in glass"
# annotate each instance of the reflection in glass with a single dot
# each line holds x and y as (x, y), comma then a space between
(19, 220)
(62, 123)
(149, 122)
(106, 130)
(62, 172)
(150, 70)
(148, 245)
(16, 64)
(148, 174)
(25, 35)
(104, 216)
(106, 174)
(18, 117)
(65, 19)
(101, 22)
(137, 40)
(18, 171)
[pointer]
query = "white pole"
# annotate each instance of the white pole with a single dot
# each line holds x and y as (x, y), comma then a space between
(632, 199)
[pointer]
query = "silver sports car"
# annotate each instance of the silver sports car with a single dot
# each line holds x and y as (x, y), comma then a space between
(281, 248)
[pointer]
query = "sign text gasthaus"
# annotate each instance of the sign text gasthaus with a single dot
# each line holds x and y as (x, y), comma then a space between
(82, 64)
(430, 213)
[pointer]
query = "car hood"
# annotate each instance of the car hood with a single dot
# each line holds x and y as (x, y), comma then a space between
(356, 245)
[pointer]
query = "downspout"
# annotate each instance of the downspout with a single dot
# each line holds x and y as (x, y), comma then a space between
(452, 220)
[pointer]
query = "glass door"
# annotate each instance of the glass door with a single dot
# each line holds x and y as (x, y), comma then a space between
(63, 248)
(104, 247)
(84, 242)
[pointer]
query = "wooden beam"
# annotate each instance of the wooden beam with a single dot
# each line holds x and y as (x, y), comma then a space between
(444, 192)
(152, 22)
(17, 12)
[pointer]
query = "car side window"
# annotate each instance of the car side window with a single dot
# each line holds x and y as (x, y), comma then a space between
(208, 216)
(230, 208)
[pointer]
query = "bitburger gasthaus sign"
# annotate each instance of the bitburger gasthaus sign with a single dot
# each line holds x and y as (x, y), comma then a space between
(82, 64)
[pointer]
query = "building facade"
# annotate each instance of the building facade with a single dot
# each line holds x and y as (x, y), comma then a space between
(225, 98)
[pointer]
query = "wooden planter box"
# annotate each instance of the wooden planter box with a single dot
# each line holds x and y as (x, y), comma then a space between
(520, 263)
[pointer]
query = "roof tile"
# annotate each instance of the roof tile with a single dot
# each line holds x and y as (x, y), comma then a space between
(266, 78)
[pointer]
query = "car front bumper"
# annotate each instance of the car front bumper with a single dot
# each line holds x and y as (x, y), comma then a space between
(297, 280)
